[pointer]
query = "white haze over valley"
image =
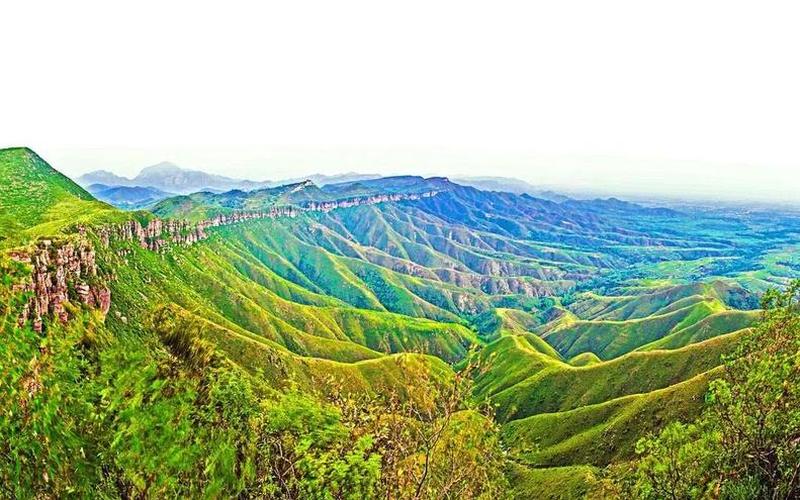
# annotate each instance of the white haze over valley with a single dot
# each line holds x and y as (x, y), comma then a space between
(693, 100)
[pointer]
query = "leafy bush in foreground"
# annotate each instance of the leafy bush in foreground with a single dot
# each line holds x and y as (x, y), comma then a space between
(159, 413)
(747, 442)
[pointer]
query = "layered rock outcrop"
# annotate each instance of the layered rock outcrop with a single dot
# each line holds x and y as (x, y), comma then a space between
(61, 272)
(66, 271)
(327, 206)
(157, 233)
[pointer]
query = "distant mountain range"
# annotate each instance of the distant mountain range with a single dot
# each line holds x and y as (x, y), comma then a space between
(128, 197)
(164, 180)
(324, 180)
(510, 185)
(170, 178)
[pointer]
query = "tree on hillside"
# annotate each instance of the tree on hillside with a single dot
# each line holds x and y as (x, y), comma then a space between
(433, 442)
(747, 442)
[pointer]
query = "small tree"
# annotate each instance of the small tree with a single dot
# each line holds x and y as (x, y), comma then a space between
(433, 441)
(747, 442)
(756, 406)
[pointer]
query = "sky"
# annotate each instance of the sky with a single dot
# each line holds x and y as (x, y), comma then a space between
(694, 99)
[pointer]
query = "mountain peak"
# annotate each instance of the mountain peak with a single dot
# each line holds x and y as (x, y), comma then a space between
(293, 187)
(164, 167)
(30, 187)
(18, 150)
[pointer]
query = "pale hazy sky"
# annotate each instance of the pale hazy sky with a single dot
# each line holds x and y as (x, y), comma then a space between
(698, 98)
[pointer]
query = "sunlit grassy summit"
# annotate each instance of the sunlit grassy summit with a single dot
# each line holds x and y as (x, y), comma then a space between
(36, 199)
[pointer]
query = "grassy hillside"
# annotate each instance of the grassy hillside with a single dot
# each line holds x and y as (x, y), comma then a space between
(203, 281)
(641, 303)
(561, 387)
(36, 200)
(708, 327)
(553, 413)
(585, 359)
(553, 483)
(586, 324)
(608, 339)
(572, 437)
(352, 367)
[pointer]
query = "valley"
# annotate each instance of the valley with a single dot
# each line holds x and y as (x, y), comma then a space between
(582, 325)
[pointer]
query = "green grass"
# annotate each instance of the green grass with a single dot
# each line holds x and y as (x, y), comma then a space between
(606, 432)
(202, 280)
(585, 359)
(550, 387)
(357, 370)
(36, 200)
(708, 327)
(651, 302)
(354, 297)
(506, 362)
(553, 483)
(609, 339)
(514, 322)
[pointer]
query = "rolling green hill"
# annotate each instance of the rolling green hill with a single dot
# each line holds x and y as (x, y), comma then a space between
(35, 199)
(584, 324)
(570, 437)
(608, 339)
(559, 387)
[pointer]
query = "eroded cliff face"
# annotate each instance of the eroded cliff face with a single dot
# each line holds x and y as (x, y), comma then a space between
(63, 272)
(327, 206)
(158, 234)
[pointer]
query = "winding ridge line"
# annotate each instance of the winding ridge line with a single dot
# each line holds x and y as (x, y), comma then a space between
(64, 269)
